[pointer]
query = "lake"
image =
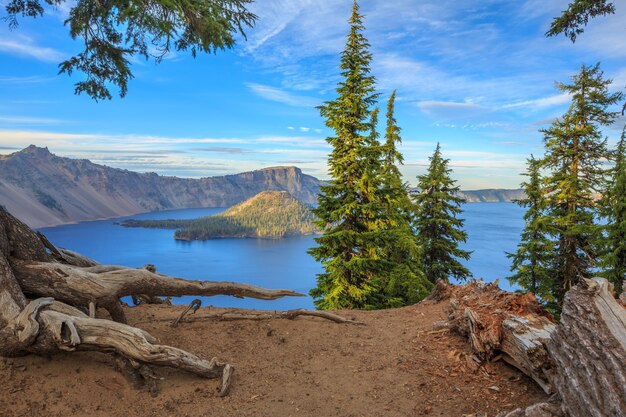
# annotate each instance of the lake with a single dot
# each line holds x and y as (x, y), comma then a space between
(493, 228)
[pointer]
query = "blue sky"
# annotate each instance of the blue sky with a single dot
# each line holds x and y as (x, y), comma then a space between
(476, 75)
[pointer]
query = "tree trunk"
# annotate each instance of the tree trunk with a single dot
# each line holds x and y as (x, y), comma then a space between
(104, 285)
(582, 360)
(588, 348)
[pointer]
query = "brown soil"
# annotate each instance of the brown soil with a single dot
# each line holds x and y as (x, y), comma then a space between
(393, 366)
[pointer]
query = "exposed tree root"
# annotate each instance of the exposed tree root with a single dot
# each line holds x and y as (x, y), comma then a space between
(31, 265)
(194, 305)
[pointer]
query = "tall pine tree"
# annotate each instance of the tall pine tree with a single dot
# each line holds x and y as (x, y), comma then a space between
(614, 203)
(368, 249)
(347, 210)
(391, 177)
(532, 260)
(575, 151)
(405, 282)
(436, 222)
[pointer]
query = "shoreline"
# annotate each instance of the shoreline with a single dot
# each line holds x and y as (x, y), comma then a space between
(39, 228)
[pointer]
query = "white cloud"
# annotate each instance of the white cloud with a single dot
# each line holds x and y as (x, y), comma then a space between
(304, 129)
(34, 79)
(281, 96)
(452, 110)
(27, 120)
(24, 46)
(179, 156)
(24, 138)
(555, 100)
(446, 105)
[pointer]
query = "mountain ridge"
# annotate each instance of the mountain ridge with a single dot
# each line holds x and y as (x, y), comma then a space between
(43, 189)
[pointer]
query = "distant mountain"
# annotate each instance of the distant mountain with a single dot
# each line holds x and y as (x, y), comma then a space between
(488, 195)
(43, 189)
(492, 195)
(269, 214)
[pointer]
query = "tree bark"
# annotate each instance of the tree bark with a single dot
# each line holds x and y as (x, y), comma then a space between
(104, 285)
(582, 360)
(497, 322)
(588, 348)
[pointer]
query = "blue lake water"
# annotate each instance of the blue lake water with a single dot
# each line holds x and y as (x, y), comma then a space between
(493, 228)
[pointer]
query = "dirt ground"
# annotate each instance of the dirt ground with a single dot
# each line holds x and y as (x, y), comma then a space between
(394, 366)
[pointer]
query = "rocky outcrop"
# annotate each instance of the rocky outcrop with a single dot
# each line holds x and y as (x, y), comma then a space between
(43, 189)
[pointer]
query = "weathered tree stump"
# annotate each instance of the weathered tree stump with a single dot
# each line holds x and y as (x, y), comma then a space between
(582, 360)
(499, 323)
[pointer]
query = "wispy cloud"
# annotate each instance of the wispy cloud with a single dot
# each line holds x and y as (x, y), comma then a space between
(17, 120)
(282, 96)
(183, 156)
(426, 105)
(33, 79)
(554, 100)
(121, 141)
(25, 46)
(450, 110)
(221, 149)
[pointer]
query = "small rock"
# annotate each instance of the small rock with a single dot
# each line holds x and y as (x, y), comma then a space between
(440, 325)
(494, 388)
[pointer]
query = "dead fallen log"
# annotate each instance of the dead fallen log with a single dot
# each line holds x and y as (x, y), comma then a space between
(80, 286)
(241, 314)
(582, 360)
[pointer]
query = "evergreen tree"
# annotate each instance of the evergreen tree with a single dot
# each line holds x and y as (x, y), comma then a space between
(532, 260)
(405, 283)
(347, 210)
(572, 21)
(575, 150)
(614, 243)
(391, 177)
(114, 32)
(368, 248)
(436, 222)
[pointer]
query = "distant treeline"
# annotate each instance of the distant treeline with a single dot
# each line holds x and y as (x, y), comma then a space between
(158, 224)
(270, 214)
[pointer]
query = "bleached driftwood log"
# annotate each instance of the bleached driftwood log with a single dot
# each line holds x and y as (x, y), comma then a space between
(33, 273)
(105, 285)
(240, 314)
(582, 360)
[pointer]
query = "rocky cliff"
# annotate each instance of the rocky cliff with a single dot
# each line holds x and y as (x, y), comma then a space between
(43, 189)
